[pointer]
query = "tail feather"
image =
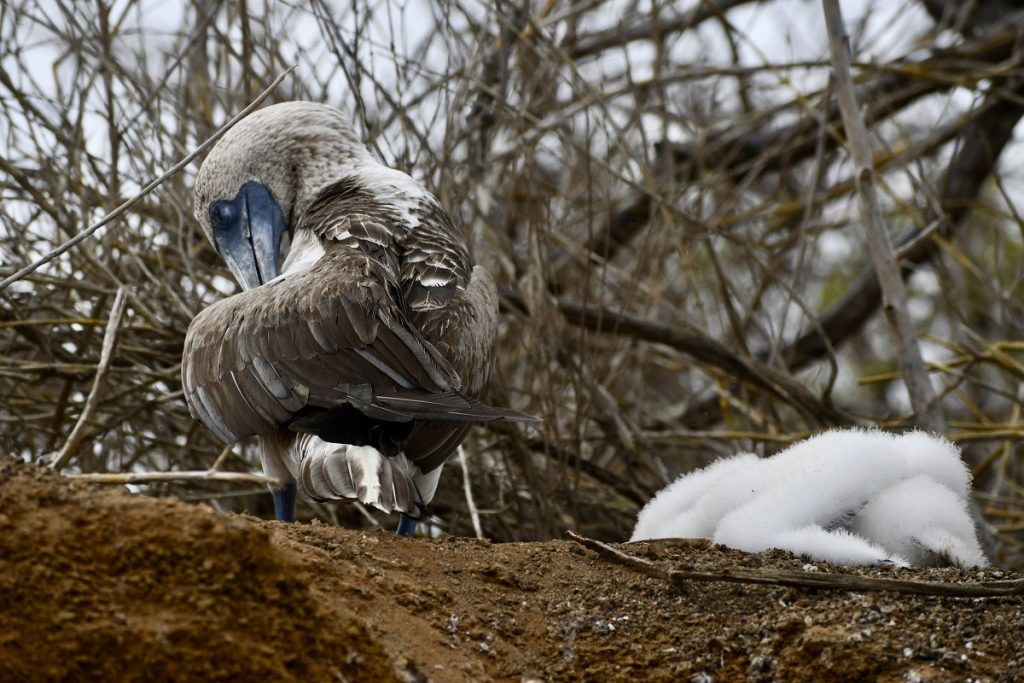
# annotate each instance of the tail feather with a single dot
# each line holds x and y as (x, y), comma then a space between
(331, 471)
(386, 419)
(447, 407)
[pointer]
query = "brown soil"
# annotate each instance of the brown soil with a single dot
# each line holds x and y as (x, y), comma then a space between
(96, 584)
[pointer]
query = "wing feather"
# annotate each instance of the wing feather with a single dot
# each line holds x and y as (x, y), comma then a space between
(256, 358)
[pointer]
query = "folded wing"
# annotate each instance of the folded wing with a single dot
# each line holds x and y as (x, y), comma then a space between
(330, 336)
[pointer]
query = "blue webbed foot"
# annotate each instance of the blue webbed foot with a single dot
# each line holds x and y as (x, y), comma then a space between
(406, 526)
(284, 503)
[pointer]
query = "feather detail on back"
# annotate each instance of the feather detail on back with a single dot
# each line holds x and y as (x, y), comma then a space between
(254, 359)
(414, 238)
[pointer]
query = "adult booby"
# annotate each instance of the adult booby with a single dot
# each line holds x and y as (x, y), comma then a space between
(356, 363)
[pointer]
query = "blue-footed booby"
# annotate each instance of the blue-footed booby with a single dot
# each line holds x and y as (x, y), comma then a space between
(357, 362)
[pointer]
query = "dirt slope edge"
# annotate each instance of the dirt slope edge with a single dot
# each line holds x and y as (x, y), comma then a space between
(98, 584)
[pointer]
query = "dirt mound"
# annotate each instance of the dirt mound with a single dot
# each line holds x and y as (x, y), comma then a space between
(101, 585)
(98, 584)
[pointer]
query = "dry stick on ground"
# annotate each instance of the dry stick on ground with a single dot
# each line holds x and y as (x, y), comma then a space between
(151, 477)
(116, 213)
(894, 300)
(99, 383)
(681, 578)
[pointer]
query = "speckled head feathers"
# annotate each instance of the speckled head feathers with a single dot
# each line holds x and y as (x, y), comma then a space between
(293, 148)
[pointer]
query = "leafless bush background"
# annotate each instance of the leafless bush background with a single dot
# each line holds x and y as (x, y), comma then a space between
(663, 194)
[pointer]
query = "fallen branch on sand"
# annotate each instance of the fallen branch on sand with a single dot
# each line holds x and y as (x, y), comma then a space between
(152, 477)
(797, 579)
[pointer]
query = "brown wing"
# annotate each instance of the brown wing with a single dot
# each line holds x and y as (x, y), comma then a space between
(431, 443)
(435, 265)
(465, 333)
(330, 335)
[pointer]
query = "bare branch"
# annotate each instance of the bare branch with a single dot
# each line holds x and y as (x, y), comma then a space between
(467, 488)
(682, 577)
(122, 478)
(894, 299)
(99, 381)
(693, 342)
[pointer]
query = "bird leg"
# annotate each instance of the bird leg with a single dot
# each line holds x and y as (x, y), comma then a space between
(407, 523)
(284, 503)
(406, 526)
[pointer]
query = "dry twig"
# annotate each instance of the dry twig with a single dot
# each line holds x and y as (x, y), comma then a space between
(894, 298)
(99, 381)
(681, 578)
(122, 478)
(467, 487)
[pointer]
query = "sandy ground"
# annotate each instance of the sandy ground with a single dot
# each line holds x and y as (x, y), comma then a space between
(97, 584)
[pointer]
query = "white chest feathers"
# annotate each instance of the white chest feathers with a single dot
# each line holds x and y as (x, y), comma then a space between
(305, 250)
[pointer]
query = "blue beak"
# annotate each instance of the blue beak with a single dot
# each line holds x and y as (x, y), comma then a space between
(247, 232)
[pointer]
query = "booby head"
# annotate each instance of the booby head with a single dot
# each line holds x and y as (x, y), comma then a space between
(248, 193)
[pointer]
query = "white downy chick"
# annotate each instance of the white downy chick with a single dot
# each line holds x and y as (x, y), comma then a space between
(806, 498)
(924, 521)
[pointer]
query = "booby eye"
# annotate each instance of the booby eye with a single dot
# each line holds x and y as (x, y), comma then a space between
(223, 213)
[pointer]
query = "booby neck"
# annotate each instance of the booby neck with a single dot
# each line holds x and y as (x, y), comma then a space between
(305, 250)
(397, 193)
